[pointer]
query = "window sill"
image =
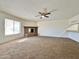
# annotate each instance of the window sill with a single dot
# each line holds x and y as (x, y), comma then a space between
(12, 35)
(72, 31)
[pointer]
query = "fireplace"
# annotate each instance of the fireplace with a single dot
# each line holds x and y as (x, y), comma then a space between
(30, 31)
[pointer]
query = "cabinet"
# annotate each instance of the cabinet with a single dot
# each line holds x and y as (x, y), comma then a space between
(30, 31)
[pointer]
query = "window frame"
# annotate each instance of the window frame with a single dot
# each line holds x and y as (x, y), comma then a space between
(13, 27)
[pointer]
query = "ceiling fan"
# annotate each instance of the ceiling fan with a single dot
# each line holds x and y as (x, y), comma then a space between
(45, 13)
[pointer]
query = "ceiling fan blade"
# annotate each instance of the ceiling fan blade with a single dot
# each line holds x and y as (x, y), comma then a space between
(47, 16)
(53, 10)
(47, 13)
(37, 15)
(39, 12)
(45, 10)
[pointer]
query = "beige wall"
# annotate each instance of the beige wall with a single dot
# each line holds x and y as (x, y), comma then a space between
(74, 20)
(1, 29)
(30, 23)
(52, 28)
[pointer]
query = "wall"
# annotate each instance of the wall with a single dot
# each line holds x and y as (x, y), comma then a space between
(52, 28)
(1, 29)
(2, 23)
(4, 38)
(30, 23)
(74, 35)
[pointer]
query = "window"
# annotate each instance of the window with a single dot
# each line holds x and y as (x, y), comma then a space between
(74, 27)
(12, 27)
(17, 26)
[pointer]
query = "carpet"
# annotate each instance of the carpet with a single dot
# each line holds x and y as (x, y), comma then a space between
(40, 48)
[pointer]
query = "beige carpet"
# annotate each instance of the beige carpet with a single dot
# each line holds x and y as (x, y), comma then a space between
(40, 48)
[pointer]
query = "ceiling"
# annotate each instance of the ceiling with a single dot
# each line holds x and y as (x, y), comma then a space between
(28, 9)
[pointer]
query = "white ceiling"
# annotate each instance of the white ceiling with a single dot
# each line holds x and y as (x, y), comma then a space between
(28, 9)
